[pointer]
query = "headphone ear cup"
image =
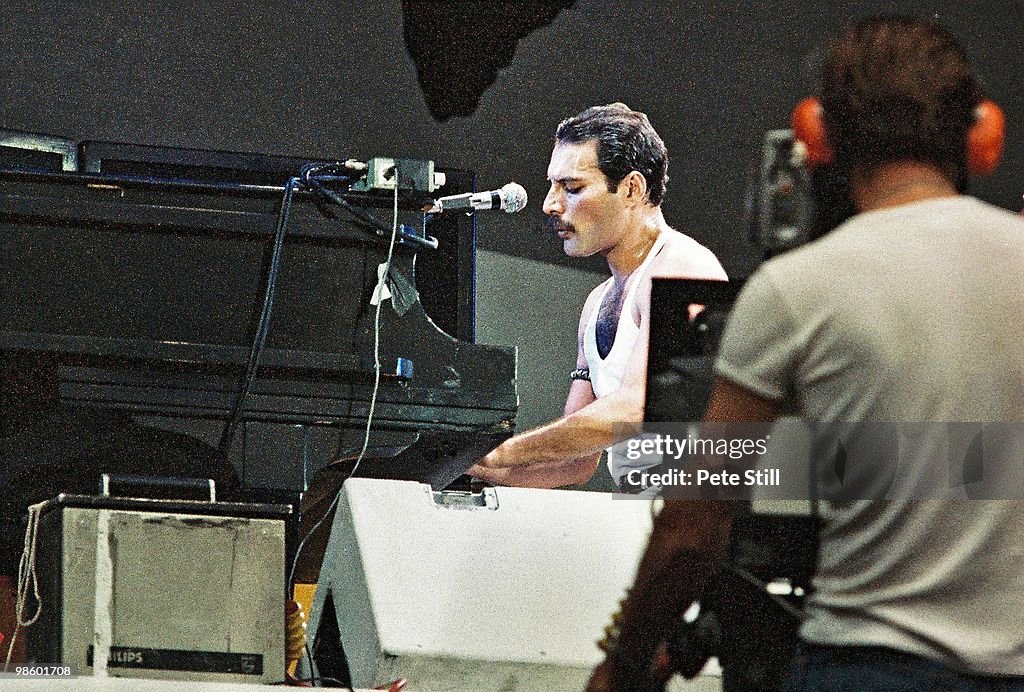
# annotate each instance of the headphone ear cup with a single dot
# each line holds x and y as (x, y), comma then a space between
(809, 128)
(985, 139)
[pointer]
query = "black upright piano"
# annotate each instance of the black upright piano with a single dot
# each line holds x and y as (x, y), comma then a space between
(141, 295)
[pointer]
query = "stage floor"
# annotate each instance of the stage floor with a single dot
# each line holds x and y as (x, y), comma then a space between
(84, 684)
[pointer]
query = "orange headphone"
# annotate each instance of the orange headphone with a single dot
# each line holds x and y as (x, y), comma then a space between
(984, 140)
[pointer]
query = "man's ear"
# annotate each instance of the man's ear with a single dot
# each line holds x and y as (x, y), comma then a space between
(634, 186)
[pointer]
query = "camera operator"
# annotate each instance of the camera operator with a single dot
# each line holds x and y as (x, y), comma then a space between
(907, 313)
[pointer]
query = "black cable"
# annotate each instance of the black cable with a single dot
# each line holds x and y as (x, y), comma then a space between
(365, 219)
(321, 678)
(309, 656)
(326, 170)
(263, 326)
(315, 175)
(360, 215)
(382, 281)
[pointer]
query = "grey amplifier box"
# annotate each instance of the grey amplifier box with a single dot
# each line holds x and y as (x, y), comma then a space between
(500, 592)
(172, 590)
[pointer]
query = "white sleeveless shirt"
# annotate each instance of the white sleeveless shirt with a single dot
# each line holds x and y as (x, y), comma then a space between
(606, 373)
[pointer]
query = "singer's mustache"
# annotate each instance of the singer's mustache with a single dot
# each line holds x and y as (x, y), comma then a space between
(557, 225)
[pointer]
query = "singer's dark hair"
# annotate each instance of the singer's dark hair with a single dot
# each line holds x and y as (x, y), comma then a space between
(626, 142)
(899, 88)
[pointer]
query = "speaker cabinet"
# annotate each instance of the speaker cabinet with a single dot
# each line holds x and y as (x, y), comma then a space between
(169, 590)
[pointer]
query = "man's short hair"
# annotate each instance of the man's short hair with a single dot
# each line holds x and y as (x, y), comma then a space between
(626, 142)
(899, 88)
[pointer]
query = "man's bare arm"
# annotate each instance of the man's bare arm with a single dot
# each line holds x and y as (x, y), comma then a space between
(589, 425)
(555, 453)
(569, 448)
(686, 545)
(571, 471)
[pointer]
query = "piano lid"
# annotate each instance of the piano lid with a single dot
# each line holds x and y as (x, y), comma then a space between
(136, 278)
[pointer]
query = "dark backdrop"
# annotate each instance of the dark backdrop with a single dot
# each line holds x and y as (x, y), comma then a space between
(335, 79)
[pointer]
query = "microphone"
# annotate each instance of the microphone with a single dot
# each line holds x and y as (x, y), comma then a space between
(510, 198)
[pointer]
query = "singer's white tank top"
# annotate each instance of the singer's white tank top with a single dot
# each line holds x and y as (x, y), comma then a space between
(606, 373)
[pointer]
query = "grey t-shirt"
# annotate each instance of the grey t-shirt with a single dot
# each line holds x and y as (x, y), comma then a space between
(912, 314)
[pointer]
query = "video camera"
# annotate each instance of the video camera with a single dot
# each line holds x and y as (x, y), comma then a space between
(789, 203)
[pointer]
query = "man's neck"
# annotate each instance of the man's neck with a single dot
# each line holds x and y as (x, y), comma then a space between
(897, 183)
(630, 252)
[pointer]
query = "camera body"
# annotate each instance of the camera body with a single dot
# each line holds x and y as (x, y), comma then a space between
(790, 203)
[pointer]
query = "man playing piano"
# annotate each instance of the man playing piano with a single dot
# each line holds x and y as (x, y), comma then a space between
(608, 172)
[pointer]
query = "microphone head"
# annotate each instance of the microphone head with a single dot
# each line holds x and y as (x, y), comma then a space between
(513, 197)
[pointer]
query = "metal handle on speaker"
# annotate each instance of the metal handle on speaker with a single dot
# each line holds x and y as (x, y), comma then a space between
(158, 487)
